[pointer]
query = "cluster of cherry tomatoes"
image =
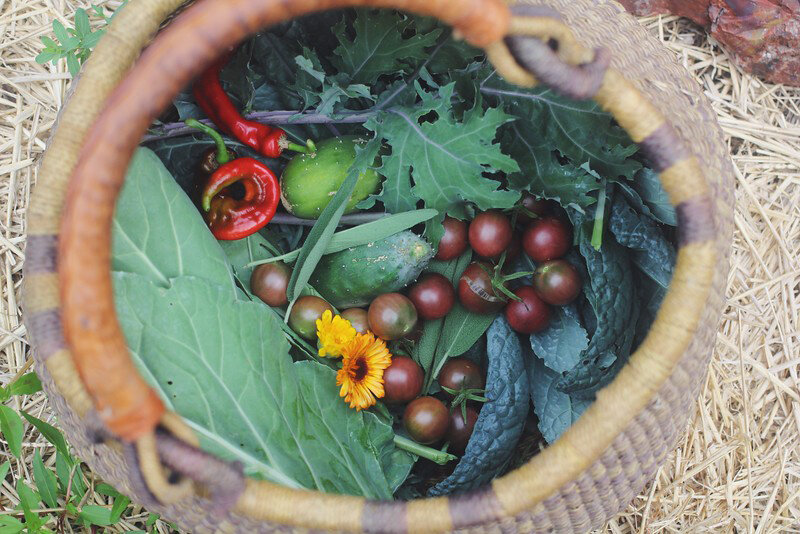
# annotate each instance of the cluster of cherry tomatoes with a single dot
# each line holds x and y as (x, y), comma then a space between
(483, 287)
(427, 419)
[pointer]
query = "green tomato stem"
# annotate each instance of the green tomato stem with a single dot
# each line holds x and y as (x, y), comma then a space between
(308, 148)
(434, 455)
(223, 156)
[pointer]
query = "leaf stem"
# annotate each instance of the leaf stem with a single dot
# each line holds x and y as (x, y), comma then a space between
(599, 216)
(282, 117)
(434, 455)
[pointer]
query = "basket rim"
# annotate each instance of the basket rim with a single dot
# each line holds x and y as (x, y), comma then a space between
(544, 474)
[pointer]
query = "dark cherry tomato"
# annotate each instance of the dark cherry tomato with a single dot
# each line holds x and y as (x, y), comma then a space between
(433, 296)
(402, 380)
(546, 239)
(426, 420)
(538, 206)
(304, 315)
(391, 316)
(358, 319)
(475, 290)
(454, 241)
(459, 431)
(269, 281)
(557, 282)
(461, 373)
(490, 234)
(529, 315)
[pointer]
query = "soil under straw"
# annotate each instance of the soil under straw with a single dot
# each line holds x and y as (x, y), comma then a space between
(738, 468)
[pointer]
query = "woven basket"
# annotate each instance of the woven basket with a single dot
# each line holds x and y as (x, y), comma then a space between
(119, 426)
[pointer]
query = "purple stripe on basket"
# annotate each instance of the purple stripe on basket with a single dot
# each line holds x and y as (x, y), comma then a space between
(46, 332)
(385, 516)
(696, 220)
(541, 59)
(663, 148)
(224, 480)
(527, 10)
(41, 252)
(475, 508)
(141, 493)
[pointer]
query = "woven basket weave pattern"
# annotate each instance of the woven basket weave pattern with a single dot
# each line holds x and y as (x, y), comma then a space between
(616, 477)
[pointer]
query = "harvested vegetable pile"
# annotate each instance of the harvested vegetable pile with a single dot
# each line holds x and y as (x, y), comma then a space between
(421, 273)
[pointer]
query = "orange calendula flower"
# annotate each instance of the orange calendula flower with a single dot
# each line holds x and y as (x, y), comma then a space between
(334, 334)
(361, 375)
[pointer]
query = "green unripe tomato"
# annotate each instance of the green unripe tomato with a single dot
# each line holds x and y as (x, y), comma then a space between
(309, 181)
(304, 315)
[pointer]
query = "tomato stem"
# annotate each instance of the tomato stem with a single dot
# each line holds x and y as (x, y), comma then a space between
(434, 455)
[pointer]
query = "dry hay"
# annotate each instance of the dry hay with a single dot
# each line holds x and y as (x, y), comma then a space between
(738, 468)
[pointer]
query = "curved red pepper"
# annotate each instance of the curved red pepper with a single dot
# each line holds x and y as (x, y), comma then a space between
(214, 101)
(230, 218)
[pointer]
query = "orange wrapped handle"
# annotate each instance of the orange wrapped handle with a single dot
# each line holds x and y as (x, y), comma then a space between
(124, 401)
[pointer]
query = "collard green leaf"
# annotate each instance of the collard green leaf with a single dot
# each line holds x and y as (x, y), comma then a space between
(224, 366)
(381, 45)
(501, 419)
(158, 233)
(556, 410)
(651, 252)
(445, 157)
(561, 344)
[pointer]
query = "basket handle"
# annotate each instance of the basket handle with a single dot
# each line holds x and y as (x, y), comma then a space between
(125, 403)
(523, 48)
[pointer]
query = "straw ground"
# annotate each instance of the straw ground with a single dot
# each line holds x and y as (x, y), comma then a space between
(738, 468)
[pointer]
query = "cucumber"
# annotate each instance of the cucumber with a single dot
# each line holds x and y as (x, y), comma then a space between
(309, 181)
(355, 276)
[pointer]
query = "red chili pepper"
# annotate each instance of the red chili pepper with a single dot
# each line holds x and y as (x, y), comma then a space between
(231, 218)
(214, 101)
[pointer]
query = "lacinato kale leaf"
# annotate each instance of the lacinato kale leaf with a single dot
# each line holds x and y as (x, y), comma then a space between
(556, 410)
(650, 250)
(501, 419)
(612, 296)
(561, 344)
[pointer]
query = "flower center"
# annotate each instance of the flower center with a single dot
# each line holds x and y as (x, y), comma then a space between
(360, 369)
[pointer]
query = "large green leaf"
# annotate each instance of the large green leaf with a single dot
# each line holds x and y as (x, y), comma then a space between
(224, 366)
(381, 45)
(157, 231)
(446, 158)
